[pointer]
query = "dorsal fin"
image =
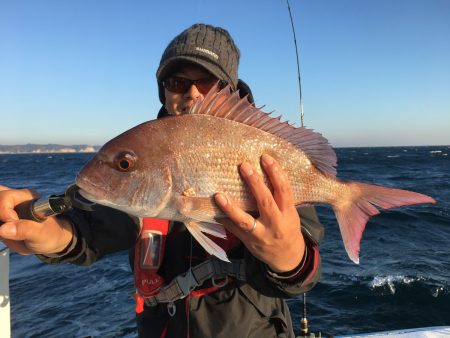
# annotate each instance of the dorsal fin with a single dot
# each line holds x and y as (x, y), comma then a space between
(228, 105)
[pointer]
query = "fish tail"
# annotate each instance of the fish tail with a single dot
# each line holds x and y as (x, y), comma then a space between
(354, 212)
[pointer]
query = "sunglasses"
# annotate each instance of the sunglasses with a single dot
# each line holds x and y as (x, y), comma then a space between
(180, 85)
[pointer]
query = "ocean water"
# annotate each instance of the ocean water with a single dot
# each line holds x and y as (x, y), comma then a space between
(402, 281)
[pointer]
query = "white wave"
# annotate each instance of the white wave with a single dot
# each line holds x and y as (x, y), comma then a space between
(391, 281)
(437, 153)
(438, 290)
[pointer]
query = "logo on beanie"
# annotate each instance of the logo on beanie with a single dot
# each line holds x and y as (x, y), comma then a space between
(203, 50)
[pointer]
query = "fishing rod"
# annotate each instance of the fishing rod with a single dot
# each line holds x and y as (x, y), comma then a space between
(303, 321)
(298, 65)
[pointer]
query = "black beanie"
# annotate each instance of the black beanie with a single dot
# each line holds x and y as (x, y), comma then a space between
(207, 46)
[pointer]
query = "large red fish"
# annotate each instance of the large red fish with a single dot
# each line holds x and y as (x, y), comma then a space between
(170, 169)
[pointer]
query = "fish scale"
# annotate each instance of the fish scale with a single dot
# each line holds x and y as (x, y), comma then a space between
(215, 167)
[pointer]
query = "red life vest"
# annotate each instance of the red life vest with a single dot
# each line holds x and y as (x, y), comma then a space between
(149, 255)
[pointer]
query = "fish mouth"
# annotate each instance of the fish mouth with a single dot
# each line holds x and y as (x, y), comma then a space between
(98, 195)
(89, 196)
(102, 201)
(89, 189)
(94, 192)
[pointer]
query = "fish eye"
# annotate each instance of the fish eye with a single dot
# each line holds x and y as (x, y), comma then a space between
(125, 161)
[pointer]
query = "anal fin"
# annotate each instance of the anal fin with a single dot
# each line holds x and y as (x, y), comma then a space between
(198, 229)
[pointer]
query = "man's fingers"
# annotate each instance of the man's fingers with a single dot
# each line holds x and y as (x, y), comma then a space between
(7, 214)
(8, 230)
(243, 222)
(282, 190)
(18, 247)
(8, 235)
(18, 230)
(11, 200)
(262, 194)
(25, 195)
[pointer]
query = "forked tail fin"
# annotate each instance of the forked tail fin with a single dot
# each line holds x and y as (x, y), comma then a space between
(353, 213)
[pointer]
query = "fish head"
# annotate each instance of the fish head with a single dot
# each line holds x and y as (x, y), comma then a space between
(129, 173)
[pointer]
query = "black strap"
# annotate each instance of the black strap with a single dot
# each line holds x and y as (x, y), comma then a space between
(182, 285)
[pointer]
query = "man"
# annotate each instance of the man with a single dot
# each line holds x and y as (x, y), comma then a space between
(272, 259)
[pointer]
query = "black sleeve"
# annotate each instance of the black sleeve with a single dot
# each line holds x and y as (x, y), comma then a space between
(97, 233)
(259, 278)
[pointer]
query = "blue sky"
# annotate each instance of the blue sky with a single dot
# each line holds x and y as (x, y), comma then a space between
(373, 72)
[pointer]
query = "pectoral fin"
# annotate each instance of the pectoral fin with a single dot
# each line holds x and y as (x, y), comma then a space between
(205, 209)
(201, 209)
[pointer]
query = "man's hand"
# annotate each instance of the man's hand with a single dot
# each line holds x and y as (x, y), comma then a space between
(276, 239)
(29, 237)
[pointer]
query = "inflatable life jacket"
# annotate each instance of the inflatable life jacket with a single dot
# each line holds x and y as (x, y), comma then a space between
(149, 254)
(151, 288)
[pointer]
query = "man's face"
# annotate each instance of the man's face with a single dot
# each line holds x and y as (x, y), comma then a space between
(180, 103)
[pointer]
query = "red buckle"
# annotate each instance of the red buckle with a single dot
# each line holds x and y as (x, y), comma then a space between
(139, 303)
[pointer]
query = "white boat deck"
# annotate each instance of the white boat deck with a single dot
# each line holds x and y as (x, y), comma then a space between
(426, 332)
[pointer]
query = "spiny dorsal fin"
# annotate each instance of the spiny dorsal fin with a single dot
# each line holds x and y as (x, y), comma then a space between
(228, 105)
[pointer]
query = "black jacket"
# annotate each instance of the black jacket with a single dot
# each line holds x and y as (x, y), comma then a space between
(254, 308)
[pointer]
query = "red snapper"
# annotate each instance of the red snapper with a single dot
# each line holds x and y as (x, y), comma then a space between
(171, 168)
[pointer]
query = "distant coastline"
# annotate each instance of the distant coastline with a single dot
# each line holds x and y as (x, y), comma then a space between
(47, 149)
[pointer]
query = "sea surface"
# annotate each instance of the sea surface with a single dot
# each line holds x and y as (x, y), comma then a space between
(402, 281)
